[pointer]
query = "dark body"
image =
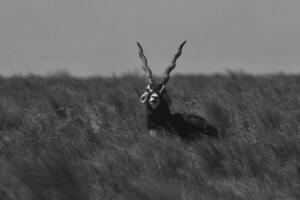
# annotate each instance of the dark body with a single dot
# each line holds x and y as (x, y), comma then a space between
(159, 118)
(187, 126)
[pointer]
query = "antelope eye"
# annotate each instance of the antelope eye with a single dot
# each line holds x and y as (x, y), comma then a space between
(149, 90)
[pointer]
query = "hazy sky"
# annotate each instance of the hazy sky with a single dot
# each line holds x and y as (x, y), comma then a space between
(90, 37)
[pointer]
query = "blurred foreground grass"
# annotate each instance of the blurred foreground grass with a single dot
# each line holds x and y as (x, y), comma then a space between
(63, 137)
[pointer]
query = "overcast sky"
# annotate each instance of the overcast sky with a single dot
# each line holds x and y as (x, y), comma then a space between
(90, 37)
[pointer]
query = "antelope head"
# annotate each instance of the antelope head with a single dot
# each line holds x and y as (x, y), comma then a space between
(156, 93)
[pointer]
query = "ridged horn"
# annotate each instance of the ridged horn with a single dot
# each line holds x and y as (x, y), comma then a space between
(145, 64)
(168, 70)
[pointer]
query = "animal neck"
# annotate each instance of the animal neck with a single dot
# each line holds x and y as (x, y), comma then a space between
(160, 117)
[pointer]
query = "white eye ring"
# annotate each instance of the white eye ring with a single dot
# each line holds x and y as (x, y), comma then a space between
(148, 89)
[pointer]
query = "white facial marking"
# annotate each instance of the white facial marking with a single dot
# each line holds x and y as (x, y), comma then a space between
(149, 88)
(154, 100)
(154, 97)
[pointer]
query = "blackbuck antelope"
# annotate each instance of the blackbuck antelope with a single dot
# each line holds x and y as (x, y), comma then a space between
(159, 118)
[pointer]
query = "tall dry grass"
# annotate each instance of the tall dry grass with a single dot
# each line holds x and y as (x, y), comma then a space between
(63, 137)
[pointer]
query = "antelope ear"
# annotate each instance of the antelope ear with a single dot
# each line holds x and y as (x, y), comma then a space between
(144, 97)
(162, 89)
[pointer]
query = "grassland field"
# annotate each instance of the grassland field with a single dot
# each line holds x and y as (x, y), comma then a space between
(63, 137)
